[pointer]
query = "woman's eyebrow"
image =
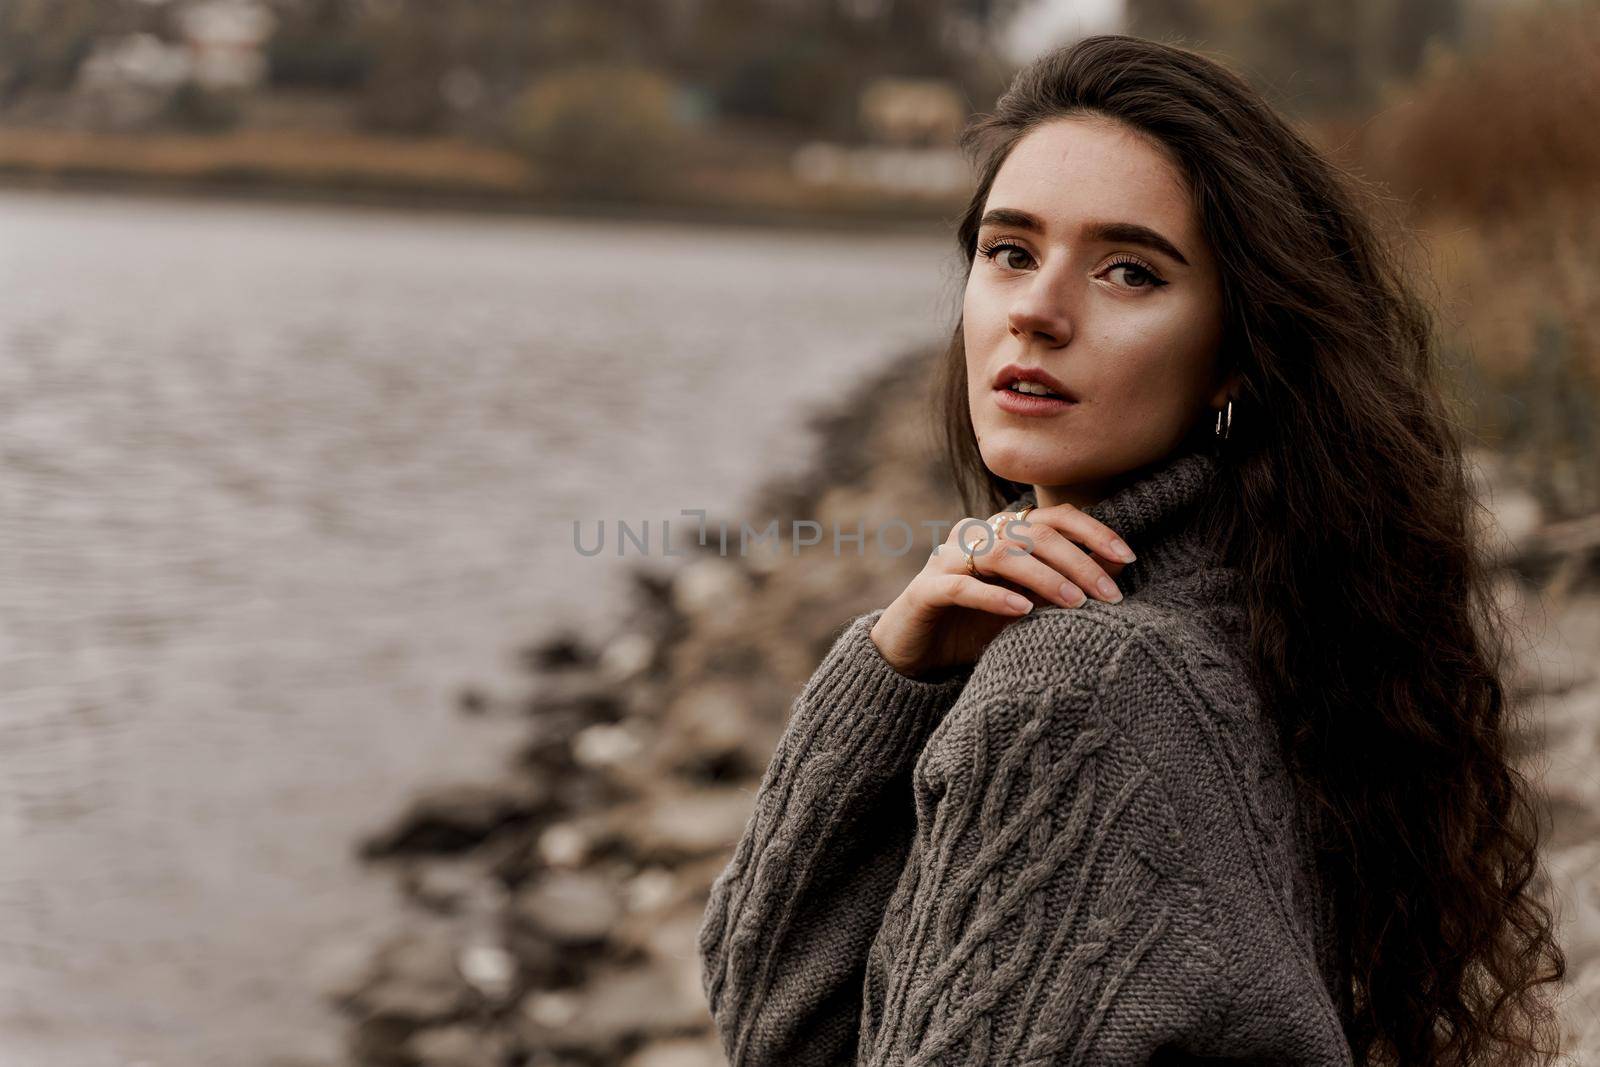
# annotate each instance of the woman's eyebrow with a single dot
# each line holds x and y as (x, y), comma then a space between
(1116, 232)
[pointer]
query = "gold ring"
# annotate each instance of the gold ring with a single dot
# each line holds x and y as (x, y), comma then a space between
(966, 549)
(972, 568)
(1022, 512)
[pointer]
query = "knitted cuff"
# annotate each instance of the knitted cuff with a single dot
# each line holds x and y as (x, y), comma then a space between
(854, 673)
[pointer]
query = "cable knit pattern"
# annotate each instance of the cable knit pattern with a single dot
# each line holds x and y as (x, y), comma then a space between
(1083, 849)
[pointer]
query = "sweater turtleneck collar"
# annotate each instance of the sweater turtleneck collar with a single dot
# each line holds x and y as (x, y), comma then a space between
(1157, 515)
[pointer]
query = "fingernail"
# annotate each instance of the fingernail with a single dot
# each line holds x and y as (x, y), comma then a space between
(1122, 551)
(1071, 594)
(1020, 602)
(1109, 590)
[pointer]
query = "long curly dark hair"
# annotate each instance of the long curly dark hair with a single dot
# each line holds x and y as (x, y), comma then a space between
(1347, 505)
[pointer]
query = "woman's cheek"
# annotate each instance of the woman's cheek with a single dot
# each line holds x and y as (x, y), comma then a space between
(1137, 383)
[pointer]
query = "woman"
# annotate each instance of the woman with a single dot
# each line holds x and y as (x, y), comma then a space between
(1251, 800)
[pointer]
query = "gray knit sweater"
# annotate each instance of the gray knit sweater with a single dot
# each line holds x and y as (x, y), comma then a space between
(1082, 849)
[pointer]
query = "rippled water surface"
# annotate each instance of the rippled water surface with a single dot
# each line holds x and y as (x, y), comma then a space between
(276, 482)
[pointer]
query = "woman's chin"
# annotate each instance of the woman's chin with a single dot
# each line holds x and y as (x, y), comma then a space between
(1023, 464)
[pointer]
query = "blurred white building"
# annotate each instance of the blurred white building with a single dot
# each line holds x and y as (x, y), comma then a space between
(226, 40)
(933, 172)
(137, 61)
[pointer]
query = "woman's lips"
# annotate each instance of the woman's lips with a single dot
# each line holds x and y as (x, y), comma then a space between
(1028, 404)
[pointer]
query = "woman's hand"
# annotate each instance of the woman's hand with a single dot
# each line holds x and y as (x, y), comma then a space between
(946, 617)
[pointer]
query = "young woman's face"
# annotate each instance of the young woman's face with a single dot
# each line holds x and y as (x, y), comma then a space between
(1091, 268)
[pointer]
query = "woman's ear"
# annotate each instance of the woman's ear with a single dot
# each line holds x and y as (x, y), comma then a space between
(1227, 390)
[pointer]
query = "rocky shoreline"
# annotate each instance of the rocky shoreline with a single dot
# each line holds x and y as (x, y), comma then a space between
(552, 912)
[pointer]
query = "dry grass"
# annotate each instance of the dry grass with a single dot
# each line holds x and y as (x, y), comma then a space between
(1496, 156)
(269, 156)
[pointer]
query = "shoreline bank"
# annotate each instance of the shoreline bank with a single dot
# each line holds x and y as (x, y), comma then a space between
(445, 175)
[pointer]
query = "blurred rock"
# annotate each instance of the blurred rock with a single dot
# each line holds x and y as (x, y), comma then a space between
(671, 937)
(605, 745)
(617, 1003)
(678, 824)
(456, 817)
(450, 886)
(561, 652)
(414, 980)
(456, 1046)
(570, 907)
(650, 890)
(489, 968)
(627, 657)
(566, 844)
(707, 722)
(578, 697)
(679, 1052)
(552, 1009)
(708, 584)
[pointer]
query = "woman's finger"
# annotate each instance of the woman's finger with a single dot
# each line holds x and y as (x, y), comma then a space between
(999, 557)
(963, 590)
(1049, 544)
(1077, 525)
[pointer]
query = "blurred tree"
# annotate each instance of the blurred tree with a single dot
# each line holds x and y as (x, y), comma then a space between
(1320, 59)
(600, 128)
(805, 66)
(194, 107)
(793, 68)
(42, 42)
(317, 45)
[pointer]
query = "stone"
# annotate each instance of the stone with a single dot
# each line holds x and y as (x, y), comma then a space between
(617, 1003)
(650, 889)
(627, 657)
(570, 907)
(450, 886)
(707, 721)
(684, 823)
(679, 1052)
(455, 1046)
(676, 937)
(416, 980)
(457, 817)
(605, 745)
(575, 841)
(582, 697)
(710, 583)
(488, 968)
(559, 652)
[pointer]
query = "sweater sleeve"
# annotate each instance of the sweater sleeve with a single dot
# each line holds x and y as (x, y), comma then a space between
(1055, 905)
(784, 937)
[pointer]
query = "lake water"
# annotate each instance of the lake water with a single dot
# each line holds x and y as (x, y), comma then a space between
(277, 481)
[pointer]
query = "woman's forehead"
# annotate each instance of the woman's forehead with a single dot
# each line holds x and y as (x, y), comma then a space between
(1070, 173)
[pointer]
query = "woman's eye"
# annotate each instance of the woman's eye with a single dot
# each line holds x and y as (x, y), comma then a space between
(1001, 253)
(1136, 277)
(1006, 252)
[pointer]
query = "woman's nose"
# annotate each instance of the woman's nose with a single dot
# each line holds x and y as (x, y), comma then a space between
(1041, 311)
